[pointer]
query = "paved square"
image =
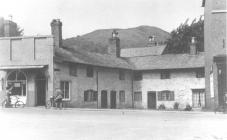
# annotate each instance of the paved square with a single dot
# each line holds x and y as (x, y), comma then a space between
(85, 124)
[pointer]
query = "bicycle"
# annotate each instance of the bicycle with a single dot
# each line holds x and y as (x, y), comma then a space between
(18, 103)
(52, 103)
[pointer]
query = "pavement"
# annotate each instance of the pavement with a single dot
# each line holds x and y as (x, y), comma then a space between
(105, 124)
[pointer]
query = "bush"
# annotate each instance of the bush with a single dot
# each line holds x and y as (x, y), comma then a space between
(188, 108)
(161, 107)
(176, 106)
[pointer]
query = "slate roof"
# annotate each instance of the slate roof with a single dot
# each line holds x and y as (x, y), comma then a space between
(145, 51)
(168, 61)
(96, 59)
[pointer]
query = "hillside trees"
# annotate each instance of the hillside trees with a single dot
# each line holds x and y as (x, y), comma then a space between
(180, 38)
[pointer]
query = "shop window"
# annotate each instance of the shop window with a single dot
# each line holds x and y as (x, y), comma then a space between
(138, 96)
(17, 79)
(90, 96)
(65, 88)
(166, 95)
(90, 71)
(122, 96)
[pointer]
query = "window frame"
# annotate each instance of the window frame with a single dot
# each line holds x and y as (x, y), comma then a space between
(162, 95)
(200, 73)
(92, 96)
(63, 91)
(138, 76)
(90, 71)
(140, 98)
(122, 96)
(73, 70)
(165, 74)
(121, 75)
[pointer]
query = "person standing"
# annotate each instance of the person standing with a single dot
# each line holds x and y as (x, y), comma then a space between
(9, 89)
(58, 98)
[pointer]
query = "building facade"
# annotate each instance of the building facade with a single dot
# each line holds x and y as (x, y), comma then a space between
(215, 28)
(125, 78)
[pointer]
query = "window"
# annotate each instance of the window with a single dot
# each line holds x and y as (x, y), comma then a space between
(165, 75)
(65, 88)
(90, 95)
(73, 70)
(200, 73)
(122, 96)
(90, 71)
(121, 75)
(138, 76)
(198, 97)
(166, 95)
(18, 80)
(138, 96)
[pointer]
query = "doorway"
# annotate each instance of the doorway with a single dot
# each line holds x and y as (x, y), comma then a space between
(113, 99)
(40, 84)
(103, 99)
(222, 84)
(151, 100)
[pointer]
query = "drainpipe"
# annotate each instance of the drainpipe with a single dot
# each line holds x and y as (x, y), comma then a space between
(97, 87)
(132, 89)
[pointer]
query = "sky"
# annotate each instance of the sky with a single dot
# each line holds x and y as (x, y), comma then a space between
(83, 16)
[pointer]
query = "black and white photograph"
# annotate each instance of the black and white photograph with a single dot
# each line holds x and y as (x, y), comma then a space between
(113, 69)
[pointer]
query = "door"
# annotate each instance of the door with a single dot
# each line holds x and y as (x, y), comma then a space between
(151, 100)
(113, 99)
(222, 83)
(103, 99)
(40, 90)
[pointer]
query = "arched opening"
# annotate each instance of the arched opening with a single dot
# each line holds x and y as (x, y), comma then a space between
(40, 84)
(19, 81)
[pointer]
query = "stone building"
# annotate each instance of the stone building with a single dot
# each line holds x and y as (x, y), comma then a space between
(215, 28)
(123, 78)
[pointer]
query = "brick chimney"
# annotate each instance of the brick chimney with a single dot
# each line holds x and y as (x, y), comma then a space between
(193, 49)
(56, 31)
(114, 45)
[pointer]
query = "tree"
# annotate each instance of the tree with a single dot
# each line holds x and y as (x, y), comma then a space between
(180, 38)
(19, 31)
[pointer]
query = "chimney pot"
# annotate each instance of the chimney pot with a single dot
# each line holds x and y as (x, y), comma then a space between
(193, 49)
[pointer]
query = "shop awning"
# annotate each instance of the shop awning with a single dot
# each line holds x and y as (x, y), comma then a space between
(22, 67)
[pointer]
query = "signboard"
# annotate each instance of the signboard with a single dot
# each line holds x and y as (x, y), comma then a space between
(211, 84)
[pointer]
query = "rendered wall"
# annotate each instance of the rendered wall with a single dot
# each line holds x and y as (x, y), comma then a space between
(108, 79)
(181, 82)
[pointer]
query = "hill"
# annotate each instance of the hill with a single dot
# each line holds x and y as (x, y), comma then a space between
(97, 41)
